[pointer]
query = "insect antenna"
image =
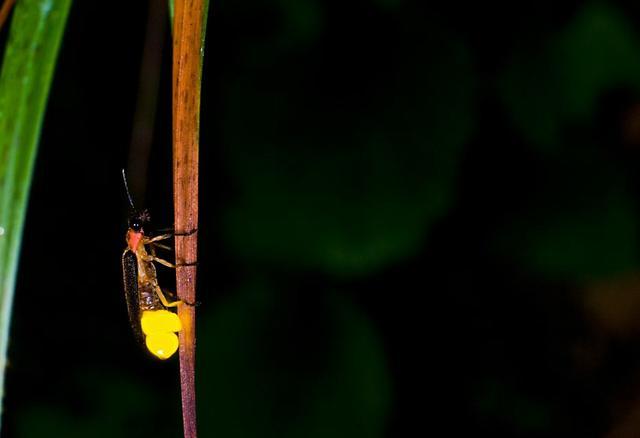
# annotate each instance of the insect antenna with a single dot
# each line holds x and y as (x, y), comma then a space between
(126, 188)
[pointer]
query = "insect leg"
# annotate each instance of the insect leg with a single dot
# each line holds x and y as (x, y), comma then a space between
(159, 245)
(173, 295)
(147, 240)
(153, 240)
(153, 258)
(163, 299)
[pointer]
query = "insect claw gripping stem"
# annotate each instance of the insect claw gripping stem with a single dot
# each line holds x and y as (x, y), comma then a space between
(193, 304)
(186, 233)
(173, 232)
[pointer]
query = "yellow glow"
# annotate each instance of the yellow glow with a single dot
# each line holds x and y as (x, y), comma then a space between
(162, 345)
(159, 322)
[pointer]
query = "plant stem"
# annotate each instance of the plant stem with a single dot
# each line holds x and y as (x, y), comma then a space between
(188, 27)
(148, 82)
(4, 11)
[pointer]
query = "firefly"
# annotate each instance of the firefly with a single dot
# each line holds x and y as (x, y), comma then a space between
(154, 325)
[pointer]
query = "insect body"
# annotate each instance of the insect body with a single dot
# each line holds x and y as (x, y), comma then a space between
(152, 322)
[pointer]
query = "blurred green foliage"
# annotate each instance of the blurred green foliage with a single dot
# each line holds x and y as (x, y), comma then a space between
(346, 173)
(582, 222)
(288, 366)
(553, 84)
(303, 20)
(499, 401)
(579, 228)
(112, 407)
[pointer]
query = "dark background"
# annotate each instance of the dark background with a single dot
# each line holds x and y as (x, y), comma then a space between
(415, 218)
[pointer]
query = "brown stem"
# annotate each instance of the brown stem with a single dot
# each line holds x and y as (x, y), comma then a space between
(4, 11)
(144, 117)
(187, 31)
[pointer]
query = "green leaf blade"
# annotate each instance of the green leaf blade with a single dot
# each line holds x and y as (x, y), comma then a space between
(27, 69)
